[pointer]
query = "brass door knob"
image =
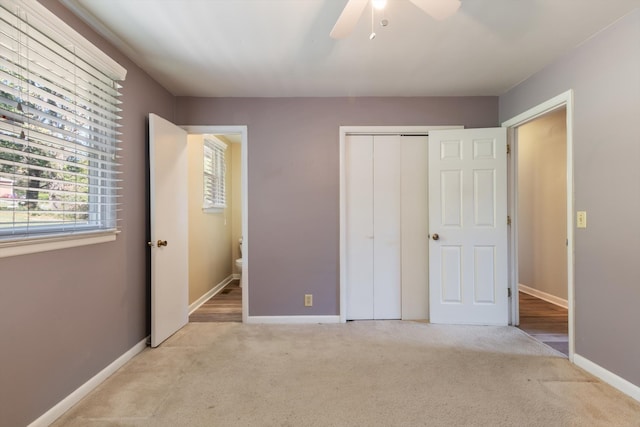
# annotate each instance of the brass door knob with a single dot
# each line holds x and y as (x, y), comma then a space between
(162, 243)
(435, 237)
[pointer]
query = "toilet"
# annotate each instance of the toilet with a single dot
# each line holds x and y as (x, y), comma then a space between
(239, 260)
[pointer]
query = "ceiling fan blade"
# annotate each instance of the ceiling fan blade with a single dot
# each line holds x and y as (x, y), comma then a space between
(439, 9)
(348, 18)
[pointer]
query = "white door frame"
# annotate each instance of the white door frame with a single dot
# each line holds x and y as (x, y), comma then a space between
(366, 130)
(243, 131)
(565, 99)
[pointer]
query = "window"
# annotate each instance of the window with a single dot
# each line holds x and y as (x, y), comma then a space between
(215, 197)
(59, 112)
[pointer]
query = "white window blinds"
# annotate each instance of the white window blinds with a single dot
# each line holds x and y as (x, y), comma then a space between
(214, 174)
(59, 112)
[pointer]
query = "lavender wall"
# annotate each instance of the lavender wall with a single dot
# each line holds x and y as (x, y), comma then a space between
(294, 182)
(67, 314)
(605, 76)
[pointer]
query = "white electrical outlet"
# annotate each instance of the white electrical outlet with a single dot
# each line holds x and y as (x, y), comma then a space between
(308, 300)
(581, 219)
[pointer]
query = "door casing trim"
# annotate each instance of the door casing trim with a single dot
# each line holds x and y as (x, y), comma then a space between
(565, 100)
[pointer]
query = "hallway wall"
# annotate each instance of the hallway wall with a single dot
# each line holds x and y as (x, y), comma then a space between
(542, 204)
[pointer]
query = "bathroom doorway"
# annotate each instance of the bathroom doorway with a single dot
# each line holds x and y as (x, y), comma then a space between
(217, 223)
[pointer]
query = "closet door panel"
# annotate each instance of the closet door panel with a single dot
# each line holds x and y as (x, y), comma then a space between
(359, 167)
(415, 221)
(387, 302)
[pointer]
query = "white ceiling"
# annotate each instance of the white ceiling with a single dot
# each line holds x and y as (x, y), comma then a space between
(282, 48)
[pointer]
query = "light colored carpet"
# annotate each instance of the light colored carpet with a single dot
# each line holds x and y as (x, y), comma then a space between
(375, 373)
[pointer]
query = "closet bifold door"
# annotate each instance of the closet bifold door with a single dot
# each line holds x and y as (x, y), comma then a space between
(387, 174)
(373, 165)
(415, 228)
(359, 226)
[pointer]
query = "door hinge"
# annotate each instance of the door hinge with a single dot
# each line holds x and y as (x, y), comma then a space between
(508, 148)
(508, 220)
(508, 292)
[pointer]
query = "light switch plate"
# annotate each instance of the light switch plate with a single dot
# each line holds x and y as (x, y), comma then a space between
(581, 219)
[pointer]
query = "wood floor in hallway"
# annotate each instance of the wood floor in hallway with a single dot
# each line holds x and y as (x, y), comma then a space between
(545, 322)
(226, 306)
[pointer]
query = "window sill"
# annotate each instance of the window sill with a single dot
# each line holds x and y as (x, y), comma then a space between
(213, 210)
(44, 244)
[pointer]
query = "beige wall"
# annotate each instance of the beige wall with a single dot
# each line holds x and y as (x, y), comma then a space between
(209, 233)
(236, 200)
(542, 209)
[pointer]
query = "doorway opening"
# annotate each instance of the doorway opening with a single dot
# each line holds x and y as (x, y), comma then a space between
(540, 151)
(215, 227)
(541, 234)
(226, 297)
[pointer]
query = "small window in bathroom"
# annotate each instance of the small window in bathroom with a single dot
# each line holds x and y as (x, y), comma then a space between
(215, 198)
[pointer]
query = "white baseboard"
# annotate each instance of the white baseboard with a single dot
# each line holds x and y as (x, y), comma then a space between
(212, 292)
(609, 377)
(544, 296)
(65, 404)
(293, 319)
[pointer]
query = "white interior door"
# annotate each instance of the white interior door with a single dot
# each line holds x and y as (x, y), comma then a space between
(169, 241)
(468, 226)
